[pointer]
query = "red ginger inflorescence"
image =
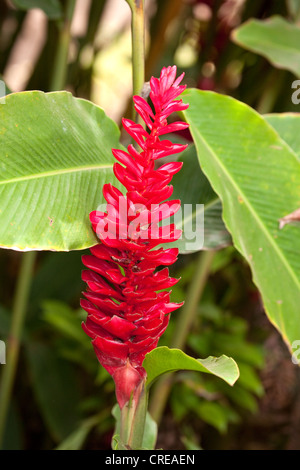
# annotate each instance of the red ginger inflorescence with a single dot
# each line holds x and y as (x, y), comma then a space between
(126, 314)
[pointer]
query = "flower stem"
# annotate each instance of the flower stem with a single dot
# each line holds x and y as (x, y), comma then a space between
(185, 320)
(14, 339)
(133, 417)
(59, 73)
(138, 45)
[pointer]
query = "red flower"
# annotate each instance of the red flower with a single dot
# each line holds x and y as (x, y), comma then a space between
(126, 314)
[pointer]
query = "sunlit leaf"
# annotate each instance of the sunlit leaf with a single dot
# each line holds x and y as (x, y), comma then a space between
(274, 38)
(162, 360)
(257, 176)
(55, 156)
(287, 125)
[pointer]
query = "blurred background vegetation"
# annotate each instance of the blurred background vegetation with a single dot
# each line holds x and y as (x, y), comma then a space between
(62, 398)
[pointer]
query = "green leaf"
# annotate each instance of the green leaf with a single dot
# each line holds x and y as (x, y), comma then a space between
(162, 360)
(250, 380)
(214, 414)
(274, 38)
(150, 433)
(62, 318)
(52, 282)
(287, 126)
(243, 398)
(55, 156)
(257, 176)
(222, 341)
(199, 203)
(55, 389)
(52, 8)
(76, 439)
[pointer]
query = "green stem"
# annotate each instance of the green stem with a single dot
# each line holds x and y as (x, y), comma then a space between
(136, 435)
(138, 45)
(133, 418)
(60, 65)
(14, 339)
(184, 323)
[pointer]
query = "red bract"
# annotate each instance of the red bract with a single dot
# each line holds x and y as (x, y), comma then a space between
(126, 313)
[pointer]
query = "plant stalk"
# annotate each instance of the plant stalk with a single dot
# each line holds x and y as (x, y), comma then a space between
(184, 323)
(60, 65)
(138, 46)
(133, 418)
(15, 336)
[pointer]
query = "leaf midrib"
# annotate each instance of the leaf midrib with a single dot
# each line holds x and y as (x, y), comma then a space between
(48, 174)
(251, 208)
